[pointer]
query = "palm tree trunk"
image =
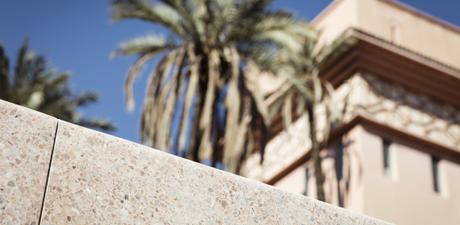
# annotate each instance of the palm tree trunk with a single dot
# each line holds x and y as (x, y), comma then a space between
(196, 131)
(315, 148)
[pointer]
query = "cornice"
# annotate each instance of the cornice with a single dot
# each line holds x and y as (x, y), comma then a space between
(378, 128)
(370, 54)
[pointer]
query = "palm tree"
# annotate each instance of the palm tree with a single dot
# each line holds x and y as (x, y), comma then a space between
(38, 87)
(306, 93)
(202, 100)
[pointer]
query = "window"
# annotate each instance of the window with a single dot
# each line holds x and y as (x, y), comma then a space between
(339, 160)
(339, 153)
(307, 176)
(386, 156)
(435, 172)
(394, 33)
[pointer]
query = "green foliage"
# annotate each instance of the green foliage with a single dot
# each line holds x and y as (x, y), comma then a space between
(213, 46)
(33, 84)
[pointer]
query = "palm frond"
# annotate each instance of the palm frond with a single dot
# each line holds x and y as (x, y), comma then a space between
(287, 110)
(131, 76)
(37, 86)
(190, 94)
(101, 124)
(159, 13)
(252, 8)
(167, 97)
(185, 9)
(208, 107)
(251, 80)
(21, 68)
(297, 83)
(85, 99)
(151, 111)
(143, 45)
(36, 98)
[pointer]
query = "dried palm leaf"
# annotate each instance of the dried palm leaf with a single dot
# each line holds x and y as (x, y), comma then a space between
(171, 89)
(190, 95)
(150, 112)
(208, 107)
(131, 76)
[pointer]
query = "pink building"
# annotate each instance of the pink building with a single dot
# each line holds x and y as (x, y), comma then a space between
(397, 156)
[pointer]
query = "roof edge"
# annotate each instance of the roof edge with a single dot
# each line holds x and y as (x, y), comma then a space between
(398, 5)
(329, 8)
(422, 14)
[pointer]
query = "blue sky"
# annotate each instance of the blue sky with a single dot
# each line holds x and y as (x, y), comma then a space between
(78, 36)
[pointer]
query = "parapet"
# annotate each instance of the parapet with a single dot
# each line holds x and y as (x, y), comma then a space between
(54, 172)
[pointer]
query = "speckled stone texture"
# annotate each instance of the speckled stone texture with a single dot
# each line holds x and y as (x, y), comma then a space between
(99, 179)
(26, 141)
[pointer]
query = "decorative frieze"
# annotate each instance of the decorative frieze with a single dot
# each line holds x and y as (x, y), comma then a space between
(376, 99)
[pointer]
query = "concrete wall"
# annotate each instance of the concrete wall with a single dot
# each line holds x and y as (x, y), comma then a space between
(53, 172)
(405, 195)
(334, 20)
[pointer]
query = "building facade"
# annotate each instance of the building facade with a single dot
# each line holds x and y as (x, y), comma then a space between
(397, 154)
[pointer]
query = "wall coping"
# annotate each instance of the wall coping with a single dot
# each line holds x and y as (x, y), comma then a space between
(97, 178)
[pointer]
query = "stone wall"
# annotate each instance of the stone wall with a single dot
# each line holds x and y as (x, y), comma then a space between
(53, 172)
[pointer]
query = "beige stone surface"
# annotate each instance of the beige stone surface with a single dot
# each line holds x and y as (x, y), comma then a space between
(403, 196)
(26, 141)
(99, 179)
(398, 23)
(408, 198)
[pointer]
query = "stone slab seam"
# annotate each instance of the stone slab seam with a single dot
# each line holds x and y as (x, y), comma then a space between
(48, 173)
